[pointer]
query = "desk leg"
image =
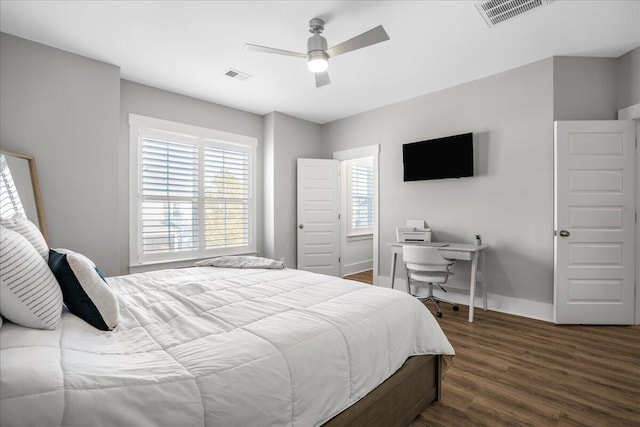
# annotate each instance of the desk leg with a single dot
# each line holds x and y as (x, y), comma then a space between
(472, 288)
(394, 258)
(484, 282)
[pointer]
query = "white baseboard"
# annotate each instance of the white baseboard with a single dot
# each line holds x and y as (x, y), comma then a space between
(509, 305)
(357, 267)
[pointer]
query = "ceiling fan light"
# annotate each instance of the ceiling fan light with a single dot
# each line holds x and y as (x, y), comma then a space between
(318, 65)
(318, 62)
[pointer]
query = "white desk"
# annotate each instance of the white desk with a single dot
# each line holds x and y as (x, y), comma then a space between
(457, 251)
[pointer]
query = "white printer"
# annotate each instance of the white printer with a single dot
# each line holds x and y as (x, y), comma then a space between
(416, 230)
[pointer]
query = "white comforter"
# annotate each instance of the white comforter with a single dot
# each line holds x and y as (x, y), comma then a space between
(212, 346)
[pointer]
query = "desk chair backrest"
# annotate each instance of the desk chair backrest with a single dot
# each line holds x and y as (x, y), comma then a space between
(427, 265)
(425, 258)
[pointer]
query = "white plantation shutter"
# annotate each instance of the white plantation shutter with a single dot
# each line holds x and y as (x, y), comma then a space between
(169, 196)
(226, 195)
(360, 195)
(194, 195)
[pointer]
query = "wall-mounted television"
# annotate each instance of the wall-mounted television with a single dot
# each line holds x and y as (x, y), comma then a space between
(448, 157)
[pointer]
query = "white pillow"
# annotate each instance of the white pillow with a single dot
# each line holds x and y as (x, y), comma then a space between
(28, 230)
(86, 292)
(29, 293)
(241, 261)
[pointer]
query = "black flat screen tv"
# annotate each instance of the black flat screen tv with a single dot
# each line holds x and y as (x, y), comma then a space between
(449, 157)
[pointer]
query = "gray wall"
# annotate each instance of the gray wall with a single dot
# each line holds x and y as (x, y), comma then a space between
(63, 109)
(595, 88)
(287, 139)
(508, 202)
(584, 88)
(148, 101)
(71, 113)
(628, 79)
(268, 187)
(357, 252)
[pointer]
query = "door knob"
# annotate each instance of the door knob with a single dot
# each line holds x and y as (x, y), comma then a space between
(300, 226)
(564, 233)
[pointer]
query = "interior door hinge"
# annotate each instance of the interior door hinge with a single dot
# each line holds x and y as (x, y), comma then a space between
(338, 216)
(339, 260)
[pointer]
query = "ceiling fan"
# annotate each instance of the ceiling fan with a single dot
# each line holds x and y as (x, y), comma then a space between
(318, 55)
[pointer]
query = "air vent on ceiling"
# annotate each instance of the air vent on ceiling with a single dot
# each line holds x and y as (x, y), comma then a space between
(496, 12)
(238, 75)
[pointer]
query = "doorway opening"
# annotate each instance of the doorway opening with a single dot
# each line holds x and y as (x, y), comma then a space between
(359, 212)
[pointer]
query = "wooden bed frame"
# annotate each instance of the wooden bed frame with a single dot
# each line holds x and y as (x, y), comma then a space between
(398, 400)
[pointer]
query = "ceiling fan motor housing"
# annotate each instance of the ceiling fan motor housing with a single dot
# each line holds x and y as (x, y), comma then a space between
(316, 43)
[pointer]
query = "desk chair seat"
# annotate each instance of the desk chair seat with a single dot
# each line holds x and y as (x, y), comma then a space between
(426, 265)
(429, 277)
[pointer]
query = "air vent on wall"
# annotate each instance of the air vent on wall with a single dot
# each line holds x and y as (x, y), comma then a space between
(496, 12)
(238, 75)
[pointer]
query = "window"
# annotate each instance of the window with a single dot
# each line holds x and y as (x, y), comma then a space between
(360, 196)
(193, 192)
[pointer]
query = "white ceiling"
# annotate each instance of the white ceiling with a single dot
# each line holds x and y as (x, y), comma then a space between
(186, 46)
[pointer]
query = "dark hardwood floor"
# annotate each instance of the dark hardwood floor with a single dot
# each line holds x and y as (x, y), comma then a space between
(364, 277)
(511, 370)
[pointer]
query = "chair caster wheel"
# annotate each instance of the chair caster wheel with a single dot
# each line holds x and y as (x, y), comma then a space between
(456, 308)
(439, 314)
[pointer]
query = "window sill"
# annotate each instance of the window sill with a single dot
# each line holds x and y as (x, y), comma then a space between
(357, 237)
(181, 263)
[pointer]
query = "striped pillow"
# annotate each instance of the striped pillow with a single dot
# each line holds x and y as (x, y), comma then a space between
(22, 225)
(29, 293)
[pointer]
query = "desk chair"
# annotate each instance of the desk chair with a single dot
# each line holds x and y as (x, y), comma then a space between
(426, 265)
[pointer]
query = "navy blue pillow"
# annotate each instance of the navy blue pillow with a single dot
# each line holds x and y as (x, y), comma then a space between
(85, 291)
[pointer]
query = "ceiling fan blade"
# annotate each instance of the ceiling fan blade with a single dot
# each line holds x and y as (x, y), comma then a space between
(265, 49)
(322, 79)
(373, 36)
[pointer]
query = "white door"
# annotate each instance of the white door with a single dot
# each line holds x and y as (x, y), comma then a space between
(594, 222)
(319, 216)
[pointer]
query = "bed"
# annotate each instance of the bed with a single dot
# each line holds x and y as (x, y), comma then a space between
(226, 346)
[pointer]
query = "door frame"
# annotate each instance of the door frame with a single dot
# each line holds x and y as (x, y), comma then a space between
(356, 153)
(633, 113)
